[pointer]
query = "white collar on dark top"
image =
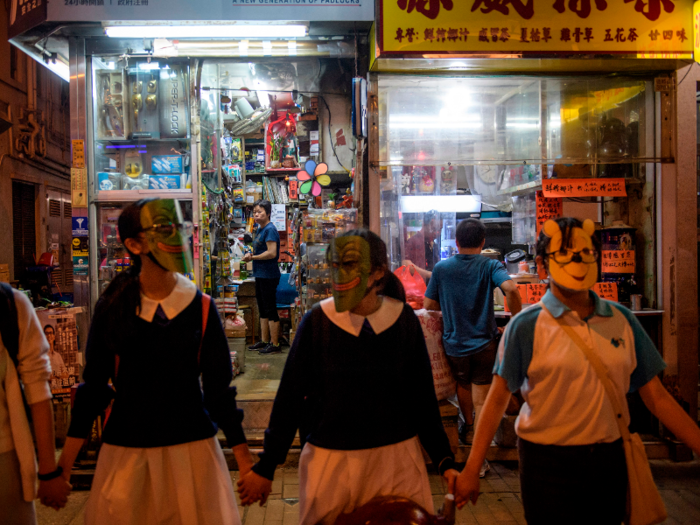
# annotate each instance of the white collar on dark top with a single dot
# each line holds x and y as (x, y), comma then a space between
(381, 320)
(179, 299)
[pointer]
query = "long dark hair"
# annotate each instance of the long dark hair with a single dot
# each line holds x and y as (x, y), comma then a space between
(122, 298)
(389, 285)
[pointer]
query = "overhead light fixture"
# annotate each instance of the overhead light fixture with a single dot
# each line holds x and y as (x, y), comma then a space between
(444, 203)
(208, 31)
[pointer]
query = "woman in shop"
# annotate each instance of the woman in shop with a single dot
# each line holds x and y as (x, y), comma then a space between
(266, 253)
(58, 368)
(572, 460)
(154, 335)
(354, 356)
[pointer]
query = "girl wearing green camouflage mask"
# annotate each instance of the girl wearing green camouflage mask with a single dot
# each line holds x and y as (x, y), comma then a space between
(353, 357)
(159, 342)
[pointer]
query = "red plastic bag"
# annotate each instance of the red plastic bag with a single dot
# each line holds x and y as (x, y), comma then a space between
(414, 286)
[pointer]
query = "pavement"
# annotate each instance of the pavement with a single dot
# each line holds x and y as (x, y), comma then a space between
(499, 503)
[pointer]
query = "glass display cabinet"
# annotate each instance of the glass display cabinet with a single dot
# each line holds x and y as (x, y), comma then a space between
(141, 146)
(444, 141)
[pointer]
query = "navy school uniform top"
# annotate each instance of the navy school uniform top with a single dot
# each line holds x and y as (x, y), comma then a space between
(158, 400)
(353, 383)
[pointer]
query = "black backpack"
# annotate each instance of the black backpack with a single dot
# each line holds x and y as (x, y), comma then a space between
(9, 329)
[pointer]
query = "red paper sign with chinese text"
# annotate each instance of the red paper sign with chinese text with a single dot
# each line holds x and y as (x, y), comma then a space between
(617, 261)
(606, 291)
(584, 188)
(547, 209)
(535, 292)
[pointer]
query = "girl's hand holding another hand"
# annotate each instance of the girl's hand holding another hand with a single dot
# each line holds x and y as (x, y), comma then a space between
(467, 488)
(253, 487)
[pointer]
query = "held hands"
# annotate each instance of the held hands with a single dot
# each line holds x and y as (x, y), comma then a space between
(466, 488)
(54, 493)
(248, 257)
(253, 487)
(451, 476)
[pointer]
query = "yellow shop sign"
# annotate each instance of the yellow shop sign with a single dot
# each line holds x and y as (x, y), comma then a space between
(536, 26)
(696, 31)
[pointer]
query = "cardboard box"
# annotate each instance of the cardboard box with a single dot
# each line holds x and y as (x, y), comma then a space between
(166, 164)
(232, 334)
(164, 182)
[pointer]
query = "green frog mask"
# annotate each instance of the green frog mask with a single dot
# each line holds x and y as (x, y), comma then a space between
(350, 269)
(167, 234)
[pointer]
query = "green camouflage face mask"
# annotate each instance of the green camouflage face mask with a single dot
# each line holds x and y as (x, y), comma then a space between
(166, 234)
(350, 269)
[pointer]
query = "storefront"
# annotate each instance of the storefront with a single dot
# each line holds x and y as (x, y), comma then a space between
(518, 111)
(217, 105)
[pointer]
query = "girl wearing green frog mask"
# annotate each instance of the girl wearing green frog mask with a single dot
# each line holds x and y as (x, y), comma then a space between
(353, 356)
(153, 335)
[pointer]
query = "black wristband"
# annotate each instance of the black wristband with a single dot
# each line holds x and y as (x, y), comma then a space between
(51, 475)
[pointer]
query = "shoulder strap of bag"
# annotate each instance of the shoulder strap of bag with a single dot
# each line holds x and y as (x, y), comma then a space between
(600, 370)
(206, 301)
(9, 322)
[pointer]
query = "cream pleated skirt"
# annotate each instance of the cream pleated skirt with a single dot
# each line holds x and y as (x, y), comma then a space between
(187, 484)
(332, 482)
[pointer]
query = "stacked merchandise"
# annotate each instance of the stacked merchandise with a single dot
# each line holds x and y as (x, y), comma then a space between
(275, 190)
(206, 244)
(318, 229)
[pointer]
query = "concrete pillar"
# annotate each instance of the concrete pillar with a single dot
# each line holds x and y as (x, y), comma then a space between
(677, 224)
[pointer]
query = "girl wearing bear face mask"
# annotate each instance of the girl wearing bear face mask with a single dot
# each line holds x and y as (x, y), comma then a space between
(572, 460)
(155, 336)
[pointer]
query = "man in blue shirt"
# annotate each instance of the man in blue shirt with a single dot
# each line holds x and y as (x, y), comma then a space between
(266, 253)
(462, 288)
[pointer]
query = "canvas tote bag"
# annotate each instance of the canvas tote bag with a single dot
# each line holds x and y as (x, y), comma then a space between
(644, 503)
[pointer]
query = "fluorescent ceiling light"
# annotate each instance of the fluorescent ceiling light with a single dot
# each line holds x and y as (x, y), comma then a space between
(443, 203)
(208, 31)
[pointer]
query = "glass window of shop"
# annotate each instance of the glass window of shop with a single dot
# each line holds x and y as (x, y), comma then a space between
(453, 148)
(141, 124)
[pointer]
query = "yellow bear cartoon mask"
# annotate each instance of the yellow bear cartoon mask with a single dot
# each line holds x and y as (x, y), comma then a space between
(573, 267)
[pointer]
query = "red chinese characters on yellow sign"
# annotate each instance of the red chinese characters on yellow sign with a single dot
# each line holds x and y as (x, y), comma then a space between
(606, 291)
(617, 261)
(547, 209)
(583, 26)
(584, 188)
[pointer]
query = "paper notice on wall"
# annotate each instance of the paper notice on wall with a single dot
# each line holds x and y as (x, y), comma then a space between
(547, 208)
(78, 150)
(78, 182)
(584, 188)
(618, 261)
(279, 217)
(606, 291)
(61, 332)
(535, 292)
(314, 146)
